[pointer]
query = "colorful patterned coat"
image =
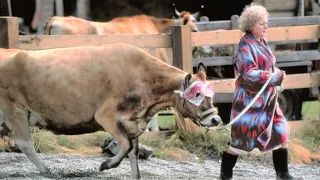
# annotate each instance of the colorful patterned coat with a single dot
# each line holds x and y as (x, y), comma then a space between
(263, 126)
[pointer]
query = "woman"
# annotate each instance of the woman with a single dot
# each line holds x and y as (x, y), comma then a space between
(263, 126)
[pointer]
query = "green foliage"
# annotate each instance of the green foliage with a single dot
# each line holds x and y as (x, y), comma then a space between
(166, 121)
(202, 143)
(310, 136)
(44, 141)
(154, 141)
(311, 110)
(96, 139)
(160, 154)
(65, 141)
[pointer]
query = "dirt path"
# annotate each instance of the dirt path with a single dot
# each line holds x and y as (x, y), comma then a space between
(14, 166)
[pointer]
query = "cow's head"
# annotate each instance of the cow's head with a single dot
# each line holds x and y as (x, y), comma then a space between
(188, 19)
(195, 100)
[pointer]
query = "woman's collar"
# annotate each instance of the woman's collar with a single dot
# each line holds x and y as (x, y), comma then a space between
(261, 40)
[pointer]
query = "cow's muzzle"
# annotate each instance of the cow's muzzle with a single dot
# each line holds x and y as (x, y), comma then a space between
(211, 120)
(209, 117)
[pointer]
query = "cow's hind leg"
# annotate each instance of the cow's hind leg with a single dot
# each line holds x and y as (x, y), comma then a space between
(16, 118)
(133, 157)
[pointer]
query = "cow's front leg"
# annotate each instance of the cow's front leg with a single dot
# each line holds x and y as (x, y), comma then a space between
(114, 161)
(125, 147)
(133, 157)
(125, 132)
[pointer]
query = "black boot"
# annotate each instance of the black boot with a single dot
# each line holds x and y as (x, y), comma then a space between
(227, 163)
(280, 162)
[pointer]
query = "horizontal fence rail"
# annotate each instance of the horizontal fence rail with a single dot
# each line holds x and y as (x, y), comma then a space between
(221, 37)
(31, 42)
(227, 37)
(292, 81)
(273, 22)
(281, 57)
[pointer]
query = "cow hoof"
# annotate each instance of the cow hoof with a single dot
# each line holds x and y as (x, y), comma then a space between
(105, 165)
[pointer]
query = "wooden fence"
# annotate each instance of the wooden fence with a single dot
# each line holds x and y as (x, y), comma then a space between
(181, 41)
(298, 24)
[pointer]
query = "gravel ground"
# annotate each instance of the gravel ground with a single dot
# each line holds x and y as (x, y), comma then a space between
(64, 166)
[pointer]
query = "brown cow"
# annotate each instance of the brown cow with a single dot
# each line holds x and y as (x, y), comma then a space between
(140, 24)
(117, 88)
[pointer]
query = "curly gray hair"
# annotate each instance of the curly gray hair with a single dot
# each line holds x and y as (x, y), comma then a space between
(250, 15)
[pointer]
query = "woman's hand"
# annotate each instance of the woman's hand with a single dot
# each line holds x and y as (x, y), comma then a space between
(276, 69)
(284, 74)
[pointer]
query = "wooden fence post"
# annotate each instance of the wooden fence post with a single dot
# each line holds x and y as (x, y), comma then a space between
(301, 8)
(182, 48)
(59, 7)
(317, 63)
(182, 58)
(234, 25)
(9, 32)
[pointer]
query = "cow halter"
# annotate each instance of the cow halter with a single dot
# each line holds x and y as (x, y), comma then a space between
(195, 94)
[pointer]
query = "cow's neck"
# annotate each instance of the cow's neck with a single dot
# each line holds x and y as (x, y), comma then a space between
(163, 24)
(165, 79)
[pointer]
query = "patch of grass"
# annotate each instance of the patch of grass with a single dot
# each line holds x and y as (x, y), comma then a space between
(65, 141)
(44, 141)
(298, 154)
(310, 136)
(160, 154)
(166, 121)
(201, 143)
(160, 148)
(311, 110)
(96, 139)
(305, 143)
(204, 143)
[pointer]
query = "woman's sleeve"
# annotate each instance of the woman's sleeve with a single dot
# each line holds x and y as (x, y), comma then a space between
(248, 69)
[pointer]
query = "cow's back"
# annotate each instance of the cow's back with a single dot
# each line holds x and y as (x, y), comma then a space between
(140, 24)
(70, 25)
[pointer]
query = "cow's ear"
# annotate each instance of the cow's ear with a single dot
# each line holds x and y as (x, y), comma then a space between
(201, 75)
(185, 20)
(201, 72)
(202, 67)
(187, 80)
